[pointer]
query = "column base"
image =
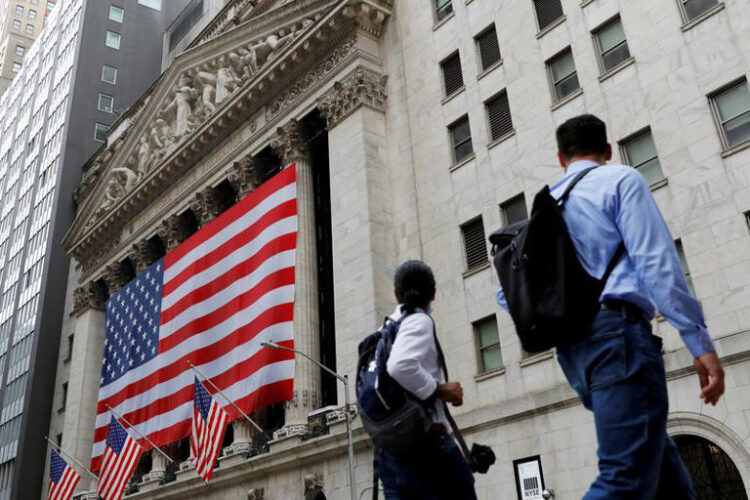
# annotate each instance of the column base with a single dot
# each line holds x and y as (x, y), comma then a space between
(298, 429)
(87, 495)
(234, 454)
(284, 443)
(151, 481)
(185, 471)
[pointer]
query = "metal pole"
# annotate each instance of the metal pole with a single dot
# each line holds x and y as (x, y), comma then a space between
(130, 426)
(350, 440)
(71, 458)
(259, 428)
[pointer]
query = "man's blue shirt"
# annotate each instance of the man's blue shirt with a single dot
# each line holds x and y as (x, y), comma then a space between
(612, 204)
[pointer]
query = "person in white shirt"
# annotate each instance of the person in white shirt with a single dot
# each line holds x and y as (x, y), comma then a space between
(436, 469)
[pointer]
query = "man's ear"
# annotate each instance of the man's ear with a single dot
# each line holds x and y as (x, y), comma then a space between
(561, 159)
(608, 153)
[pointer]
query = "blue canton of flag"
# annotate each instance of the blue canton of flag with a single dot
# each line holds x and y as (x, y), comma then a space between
(202, 399)
(132, 327)
(207, 433)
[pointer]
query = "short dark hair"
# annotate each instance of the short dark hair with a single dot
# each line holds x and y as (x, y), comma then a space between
(414, 284)
(582, 135)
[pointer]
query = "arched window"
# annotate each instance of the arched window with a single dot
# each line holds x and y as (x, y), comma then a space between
(714, 475)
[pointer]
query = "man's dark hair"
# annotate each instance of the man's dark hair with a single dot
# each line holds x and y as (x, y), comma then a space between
(582, 135)
(415, 284)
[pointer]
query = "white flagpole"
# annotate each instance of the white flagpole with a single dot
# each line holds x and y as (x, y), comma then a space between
(71, 458)
(229, 400)
(130, 426)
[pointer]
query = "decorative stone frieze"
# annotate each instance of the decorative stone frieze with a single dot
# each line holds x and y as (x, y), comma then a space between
(206, 206)
(173, 232)
(142, 255)
(91, 295)
(245, 176)
(288, 143)
(114, 277)
(361, 88)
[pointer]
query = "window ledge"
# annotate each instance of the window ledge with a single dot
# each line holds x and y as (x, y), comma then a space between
(584, 3)
(500, 139)
(489, 69)
(66, 361)
(611, 72)
(490, 374)
(710, 12)
(60, 410)
(450, 97)
(552, 26)
(463, 162)
(565, 100)
(735, 149)
(659, 184)
(477, 270)
(444, 20)
(537, 358)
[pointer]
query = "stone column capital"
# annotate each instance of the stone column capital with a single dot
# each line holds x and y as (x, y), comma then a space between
(172, 232)
(142, 255)
(91, 295)
(245, 176)
(114, 278)
(289, 144)
(361, 88)
(205, 205)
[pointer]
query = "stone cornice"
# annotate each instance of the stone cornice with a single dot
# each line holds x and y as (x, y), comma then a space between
(361, 88)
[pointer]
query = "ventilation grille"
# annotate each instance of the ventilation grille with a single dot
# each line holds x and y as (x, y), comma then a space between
(547, 12)
(489, 48)
(454, 80)
(476, 248)
(498, 110)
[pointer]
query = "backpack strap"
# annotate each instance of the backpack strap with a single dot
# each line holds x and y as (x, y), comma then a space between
(615, 259)
(573, 183)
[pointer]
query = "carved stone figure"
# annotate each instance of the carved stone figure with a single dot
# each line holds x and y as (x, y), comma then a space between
(144, 155)
(226, 80)
(182, 106)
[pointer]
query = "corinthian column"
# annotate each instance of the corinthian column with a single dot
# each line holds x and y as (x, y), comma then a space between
(289, 145)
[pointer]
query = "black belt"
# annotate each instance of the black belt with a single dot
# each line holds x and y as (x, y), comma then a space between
(628, 310)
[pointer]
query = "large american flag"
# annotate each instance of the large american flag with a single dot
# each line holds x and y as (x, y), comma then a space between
(211, 301)
(121, 456)
(63, 479)
(207, 431)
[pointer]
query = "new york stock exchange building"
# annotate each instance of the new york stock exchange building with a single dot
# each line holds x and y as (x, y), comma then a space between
(416, 128)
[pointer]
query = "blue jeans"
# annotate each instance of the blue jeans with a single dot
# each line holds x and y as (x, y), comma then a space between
(618, 373)
(435, 470)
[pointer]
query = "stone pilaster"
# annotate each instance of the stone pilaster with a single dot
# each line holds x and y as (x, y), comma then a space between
(114, 278)
(142, 255)
(290, 146)
(244, 176)
(172, 232)
(92, 295)
(205, 205)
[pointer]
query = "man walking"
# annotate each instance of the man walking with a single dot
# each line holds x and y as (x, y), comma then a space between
(618, 370)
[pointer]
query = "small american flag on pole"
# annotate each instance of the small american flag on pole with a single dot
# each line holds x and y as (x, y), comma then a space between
(121, 456)
(207, 433)
(63, 479)
(211, 301)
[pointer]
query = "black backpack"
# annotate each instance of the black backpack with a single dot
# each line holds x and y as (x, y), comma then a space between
(552, 299)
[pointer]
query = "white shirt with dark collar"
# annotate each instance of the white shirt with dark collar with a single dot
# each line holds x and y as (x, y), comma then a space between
(414, 361)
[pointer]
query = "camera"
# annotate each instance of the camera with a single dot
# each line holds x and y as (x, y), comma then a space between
(482, 457)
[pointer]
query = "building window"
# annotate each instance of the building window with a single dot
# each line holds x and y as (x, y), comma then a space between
(684, 264)
(443, 8)
(488, 47)
(461, 139)
(692, 9)
(562, 71)
(100, 132)
(16, 67)
(732, 111)
(152, 4)
(547, 12)
(50, 5)
(611, 44)
(514, 210)
(64, 397)
(639, 152)
(747, 219)
(113, 40)
(20, 50)
(116, 14)
(474, 244)
(19, 10)
(69, 354)
(106, 103)
(32, 14)
(453, 79)
(109, 74)
(498, 114)
(16, 24)
(488, 344)
(34, 2)
(29, 29)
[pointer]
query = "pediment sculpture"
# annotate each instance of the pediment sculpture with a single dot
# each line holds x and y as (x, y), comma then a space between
(196, 94)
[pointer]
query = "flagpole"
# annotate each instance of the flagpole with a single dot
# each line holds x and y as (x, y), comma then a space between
(71, 458)
(259, 428)
(130, 426)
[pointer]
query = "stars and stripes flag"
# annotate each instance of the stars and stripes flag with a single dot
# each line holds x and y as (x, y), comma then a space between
(207, 431)
(211, 301)
(63, 479)
(121, 455)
